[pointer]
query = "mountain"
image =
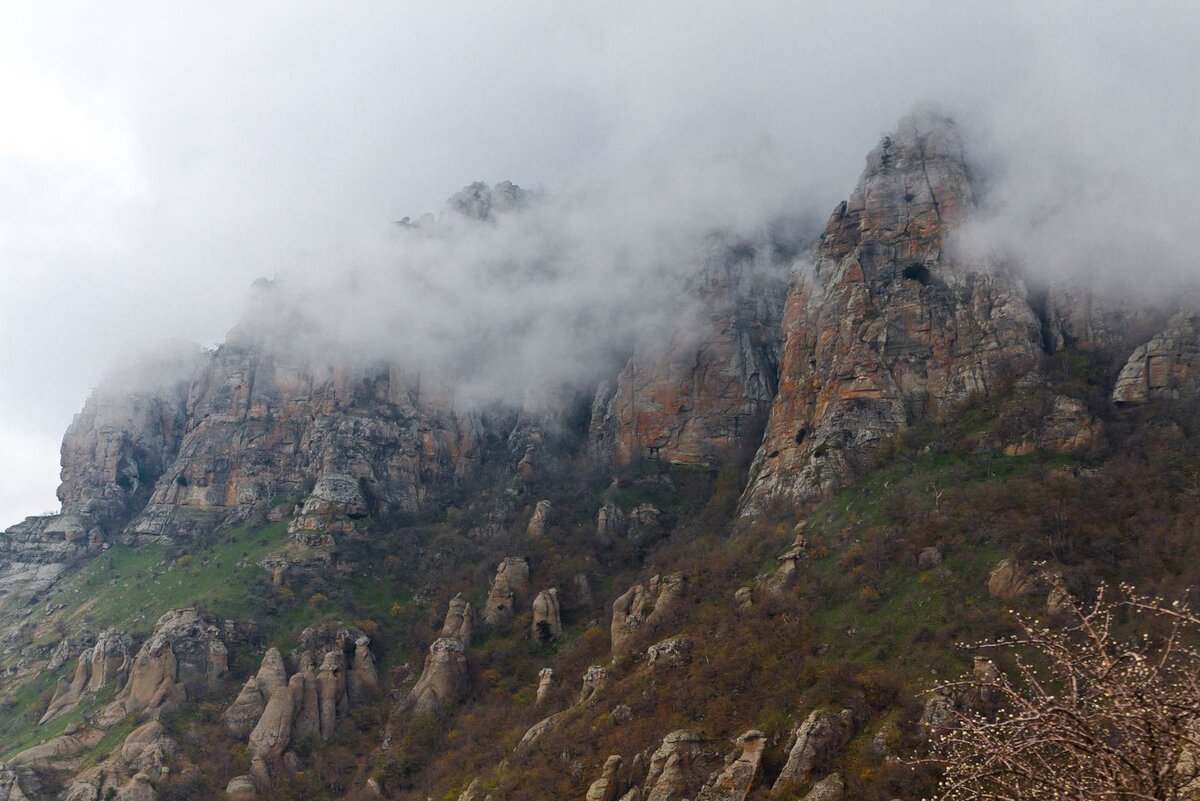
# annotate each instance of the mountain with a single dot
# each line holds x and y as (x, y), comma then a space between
(735, 565)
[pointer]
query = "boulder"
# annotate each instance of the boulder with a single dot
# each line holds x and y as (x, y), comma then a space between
(831, 788)
(241, 788)
(929, 558)
(1010, 579)
(547, 621)
(670, 653)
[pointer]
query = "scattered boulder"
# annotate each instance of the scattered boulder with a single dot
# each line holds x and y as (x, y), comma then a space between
(241, 788)
(547, 620)
(929, 558)
(512, 581)
(816, 742)
(741, 769)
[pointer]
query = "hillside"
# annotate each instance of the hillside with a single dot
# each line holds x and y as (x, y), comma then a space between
(732, 567)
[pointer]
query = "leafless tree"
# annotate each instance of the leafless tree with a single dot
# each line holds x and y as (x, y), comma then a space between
(1086, 711)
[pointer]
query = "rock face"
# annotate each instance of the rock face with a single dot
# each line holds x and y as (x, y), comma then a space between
(1009, 579)
(644, 609)
(547, 621)
(891, 325)
(681, 766)
(184, 657)
(734, 782)
(1079, 315)
(541, 516)
(608, 786)
(1168, 366)
(511, 582)
(106, 664)
(818, 739)
(702, 392)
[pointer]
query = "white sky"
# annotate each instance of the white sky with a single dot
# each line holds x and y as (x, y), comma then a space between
(157, 157)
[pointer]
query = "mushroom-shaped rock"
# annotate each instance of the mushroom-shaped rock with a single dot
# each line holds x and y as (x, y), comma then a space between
(458, 620)
(541, 516)
(512, 581)
(734, 782)
(818, 739)
(444, 679)
(547, 620)
(608, 786)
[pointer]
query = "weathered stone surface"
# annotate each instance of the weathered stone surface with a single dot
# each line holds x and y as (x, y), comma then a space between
(148, 750)
(1064, 425)
(105, 664)
(362, 680)
(929, 558)
(891, 325)
(817, 740)
(458, 620)
(273, 733)
(10, 785)
(444, 680)
(831, 788)
(1010, 579)
(47, 755)
(669, 653)
(1103, 318)
(272, 673)
(608, 786)
(644, 609)
(545, 684)
(681, 766)
(242, 715)
(511, 582)
(1168, 366)
(547, 620)
(241, 788)
(331, 691)
(701, 393)
(541, 516)
(735, 781)
(474, 792)
(183, 658)
(611, 522)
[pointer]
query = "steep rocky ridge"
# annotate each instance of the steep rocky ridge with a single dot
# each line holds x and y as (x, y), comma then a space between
(891, 325)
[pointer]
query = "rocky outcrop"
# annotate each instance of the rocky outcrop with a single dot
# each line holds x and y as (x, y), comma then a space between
(611, 522)
(545, 684)
(817, 740)
(541, 516)
(511, 582)
(644, 610)
(1107, 319)
(184, 657)
(681, 766)
(670, 653)
(362, 680)
(1168, 366)
(891, 324)
(331, 691)
(547, 620)
(1010, 579)
(106, 664)
(701, 393)
(458, 620)
(444, 679)
(741, 769)
(608, 786)
(831, 788)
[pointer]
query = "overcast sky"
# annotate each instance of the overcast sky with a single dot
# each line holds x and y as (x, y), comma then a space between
(156, 158)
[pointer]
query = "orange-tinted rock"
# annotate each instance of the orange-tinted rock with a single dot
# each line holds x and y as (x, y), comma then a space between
(1168, 366)
(891, 324)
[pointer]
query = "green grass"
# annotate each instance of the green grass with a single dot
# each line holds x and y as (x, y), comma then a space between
(130, 587)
